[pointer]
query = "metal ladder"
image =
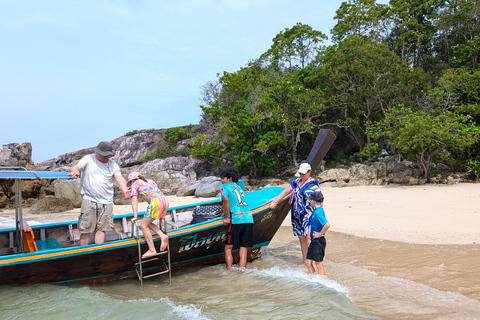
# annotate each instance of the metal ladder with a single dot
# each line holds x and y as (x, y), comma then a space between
(159, 257)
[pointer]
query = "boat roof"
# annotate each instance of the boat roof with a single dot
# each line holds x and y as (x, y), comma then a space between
(27, 174)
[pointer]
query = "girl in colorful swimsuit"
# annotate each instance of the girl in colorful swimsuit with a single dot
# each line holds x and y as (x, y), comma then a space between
(157, 208)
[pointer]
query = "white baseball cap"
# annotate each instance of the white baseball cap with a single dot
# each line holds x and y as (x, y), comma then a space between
(304, 168)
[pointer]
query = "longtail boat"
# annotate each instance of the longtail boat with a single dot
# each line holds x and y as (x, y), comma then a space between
(50, 253)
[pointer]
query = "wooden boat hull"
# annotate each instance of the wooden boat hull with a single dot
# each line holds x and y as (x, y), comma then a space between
(190, 246)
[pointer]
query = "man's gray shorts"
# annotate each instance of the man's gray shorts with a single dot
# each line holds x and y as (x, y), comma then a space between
(95, 217)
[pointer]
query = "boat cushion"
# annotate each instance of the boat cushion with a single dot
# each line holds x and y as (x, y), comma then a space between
(47, 244)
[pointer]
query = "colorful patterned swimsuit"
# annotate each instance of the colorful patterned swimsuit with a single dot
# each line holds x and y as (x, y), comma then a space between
(158, 204)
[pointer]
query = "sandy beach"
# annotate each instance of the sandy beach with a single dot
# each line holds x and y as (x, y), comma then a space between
(428, 214)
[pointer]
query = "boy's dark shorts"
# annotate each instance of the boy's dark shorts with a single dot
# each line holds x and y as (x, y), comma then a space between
(316, 249)
(240, 235)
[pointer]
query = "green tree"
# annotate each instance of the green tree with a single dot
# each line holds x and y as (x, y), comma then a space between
(413, 29)
(263, 109)
(458, 29)
(458, 90)
(295, 107)
(425, 138)
(363, 80)
(295, 47)
(360, 18)
(247, 133)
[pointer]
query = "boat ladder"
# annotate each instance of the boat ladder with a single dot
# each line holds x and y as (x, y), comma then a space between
(162, 258)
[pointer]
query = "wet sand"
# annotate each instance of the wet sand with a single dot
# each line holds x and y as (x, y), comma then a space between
(426, 234)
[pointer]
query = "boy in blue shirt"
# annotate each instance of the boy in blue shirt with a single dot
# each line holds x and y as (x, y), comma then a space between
(318, 226)
(238, 218)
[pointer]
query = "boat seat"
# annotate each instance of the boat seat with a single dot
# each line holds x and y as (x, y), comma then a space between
(47, 244)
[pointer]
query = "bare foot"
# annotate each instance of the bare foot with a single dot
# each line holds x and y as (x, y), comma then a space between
(149, 254)
(164, 243)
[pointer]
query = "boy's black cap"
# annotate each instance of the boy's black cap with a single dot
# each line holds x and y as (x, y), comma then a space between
(316, 196)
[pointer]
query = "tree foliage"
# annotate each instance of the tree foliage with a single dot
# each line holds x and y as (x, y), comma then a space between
(402, 76)
(364, 80)
(427, 138)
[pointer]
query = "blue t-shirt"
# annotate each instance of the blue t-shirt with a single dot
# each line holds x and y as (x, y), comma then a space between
(317, 221)
(238, 206)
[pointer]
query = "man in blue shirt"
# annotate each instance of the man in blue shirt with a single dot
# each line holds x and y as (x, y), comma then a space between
(318, 226)
(238, 218)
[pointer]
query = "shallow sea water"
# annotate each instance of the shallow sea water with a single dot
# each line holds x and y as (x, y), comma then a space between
(358, 285)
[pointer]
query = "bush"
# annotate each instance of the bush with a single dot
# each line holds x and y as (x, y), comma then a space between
(178, 133)
(131, 133)
(474, 167)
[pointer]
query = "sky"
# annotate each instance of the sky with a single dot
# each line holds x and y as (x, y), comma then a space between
(74, 73)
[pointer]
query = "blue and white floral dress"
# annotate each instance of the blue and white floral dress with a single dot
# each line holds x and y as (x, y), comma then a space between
(301, 208)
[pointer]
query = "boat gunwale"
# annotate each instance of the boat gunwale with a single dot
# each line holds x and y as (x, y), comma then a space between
(59, 253)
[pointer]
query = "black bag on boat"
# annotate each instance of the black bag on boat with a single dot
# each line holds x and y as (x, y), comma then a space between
(201, 214)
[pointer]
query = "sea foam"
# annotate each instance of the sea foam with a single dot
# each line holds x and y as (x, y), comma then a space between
(300, 274)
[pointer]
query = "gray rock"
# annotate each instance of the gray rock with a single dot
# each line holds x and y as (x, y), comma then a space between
(16, 155)
(188, 189)
(208, 187)
(69, 189)
(51, 204)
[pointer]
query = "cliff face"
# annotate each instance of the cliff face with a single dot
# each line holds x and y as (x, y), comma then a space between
(128, 151)
(16, 155)
(170, 173)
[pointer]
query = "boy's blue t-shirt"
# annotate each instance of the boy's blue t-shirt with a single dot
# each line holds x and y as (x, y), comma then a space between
(317, 220)
(238, 206)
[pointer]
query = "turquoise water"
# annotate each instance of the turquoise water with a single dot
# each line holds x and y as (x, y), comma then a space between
(203, 293)
(273, 287)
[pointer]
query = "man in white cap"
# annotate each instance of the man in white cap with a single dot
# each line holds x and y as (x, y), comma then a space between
(302, 210)
(97, 172)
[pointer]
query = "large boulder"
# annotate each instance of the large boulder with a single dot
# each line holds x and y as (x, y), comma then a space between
(51, 204)
(208, 187)
(188, 189)
(20, 155)
(128, 150)
(69, 189)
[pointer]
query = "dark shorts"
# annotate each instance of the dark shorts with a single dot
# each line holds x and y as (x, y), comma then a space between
(240, 235)
(316, 249)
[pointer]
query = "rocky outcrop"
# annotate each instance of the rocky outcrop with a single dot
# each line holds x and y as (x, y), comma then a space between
(387, 172)
(128, 150)
(16, 155)
(208, 187)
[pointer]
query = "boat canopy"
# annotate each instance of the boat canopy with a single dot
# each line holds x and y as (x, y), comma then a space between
(22, 173)
(19, 174)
